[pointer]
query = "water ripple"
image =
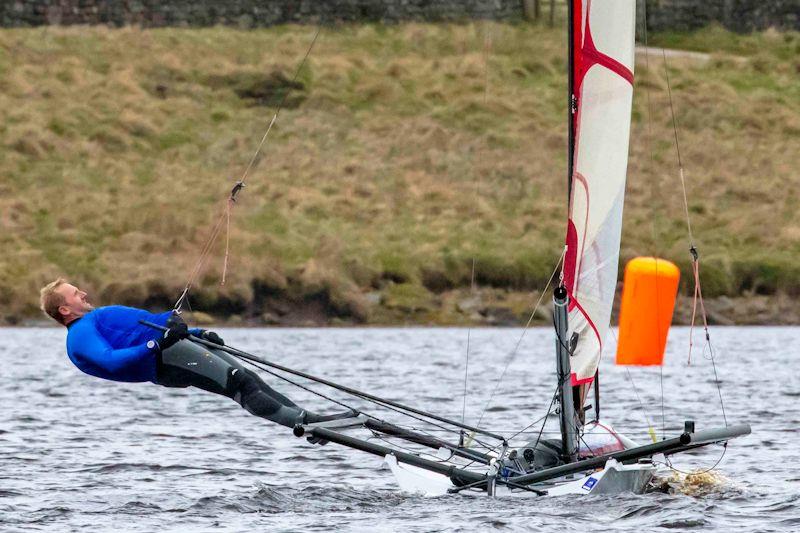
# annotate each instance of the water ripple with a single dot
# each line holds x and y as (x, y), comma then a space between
(81, 454)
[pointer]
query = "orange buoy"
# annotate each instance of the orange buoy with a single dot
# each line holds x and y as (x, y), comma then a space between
(648, 300)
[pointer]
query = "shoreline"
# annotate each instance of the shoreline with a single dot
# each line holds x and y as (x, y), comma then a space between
(484, 310)
(395, 180)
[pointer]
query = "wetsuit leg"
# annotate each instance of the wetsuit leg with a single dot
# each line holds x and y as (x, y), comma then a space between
(261, 400)
(272, 392)
(188, 364)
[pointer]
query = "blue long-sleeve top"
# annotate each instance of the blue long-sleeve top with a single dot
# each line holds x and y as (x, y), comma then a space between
(110, 343)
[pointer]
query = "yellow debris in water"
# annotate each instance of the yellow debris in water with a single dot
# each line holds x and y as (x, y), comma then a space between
(697, 483)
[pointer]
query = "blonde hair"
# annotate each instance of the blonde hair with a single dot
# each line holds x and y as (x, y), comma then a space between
(50, 300)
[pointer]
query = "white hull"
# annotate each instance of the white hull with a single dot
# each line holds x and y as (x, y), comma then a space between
(615, 478)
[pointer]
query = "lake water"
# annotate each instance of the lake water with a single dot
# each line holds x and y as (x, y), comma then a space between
(81, 454)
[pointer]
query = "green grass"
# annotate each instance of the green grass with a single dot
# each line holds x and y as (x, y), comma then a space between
(401, 156)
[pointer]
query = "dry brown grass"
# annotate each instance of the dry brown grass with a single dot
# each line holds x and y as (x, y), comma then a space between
(388, 173)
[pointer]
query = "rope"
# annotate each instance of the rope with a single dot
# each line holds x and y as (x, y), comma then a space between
(391, 440)
(668, 464)
(466, 368)
(646, 417)
(650, 431)
(621, 429)
(521, 337)
(698, 292)
(347, 406)
(487, 43)
(376, 402)
(228, 209)
(543, 418)
(296, 384)
(238, 186)
(698, 298)
(204, 254)
(716, 380)
(654, 195)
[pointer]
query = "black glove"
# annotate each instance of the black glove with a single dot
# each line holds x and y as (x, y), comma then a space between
(174, 320)
(211, 336)
(172, 335)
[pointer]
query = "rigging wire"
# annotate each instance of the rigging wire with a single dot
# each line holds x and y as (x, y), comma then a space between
(543, 419)
(521, 337)
(695, 256)
(549, 407)
(263, 368)
(654, 194)
(376, 402)
(487, 43)
(512, 432)
(225, 216)
(347, 406)
(650, 431)
(716, 380)
(646, 417)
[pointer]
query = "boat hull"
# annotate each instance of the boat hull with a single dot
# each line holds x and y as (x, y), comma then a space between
(614, 478)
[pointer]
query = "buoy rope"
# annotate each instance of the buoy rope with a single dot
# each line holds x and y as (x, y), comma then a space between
(695, 255)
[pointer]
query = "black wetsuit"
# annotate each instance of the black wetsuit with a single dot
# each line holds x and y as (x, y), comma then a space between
(188, 364)
(111, 343)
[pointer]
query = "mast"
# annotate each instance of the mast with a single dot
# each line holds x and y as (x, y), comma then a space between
(569, 429)
(600, 93)
(572, 111)
(569, 440)
(596, 386)
(571, 98)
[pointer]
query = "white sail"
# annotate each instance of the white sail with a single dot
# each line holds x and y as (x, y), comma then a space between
(603, 58)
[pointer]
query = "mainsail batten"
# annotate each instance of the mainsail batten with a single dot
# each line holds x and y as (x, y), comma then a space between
(602, 95)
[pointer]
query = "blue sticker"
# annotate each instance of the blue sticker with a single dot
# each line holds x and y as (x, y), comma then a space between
(590, 483)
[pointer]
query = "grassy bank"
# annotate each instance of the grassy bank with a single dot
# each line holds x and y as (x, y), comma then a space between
(398, 160)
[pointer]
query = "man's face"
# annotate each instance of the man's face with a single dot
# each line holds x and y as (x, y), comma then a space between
(75, 303)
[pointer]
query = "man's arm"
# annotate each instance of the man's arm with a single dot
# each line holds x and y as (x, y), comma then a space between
(170, 319)
(94, 349)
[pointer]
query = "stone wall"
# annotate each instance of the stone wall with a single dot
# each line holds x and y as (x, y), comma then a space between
(738, 15)
(246, 13)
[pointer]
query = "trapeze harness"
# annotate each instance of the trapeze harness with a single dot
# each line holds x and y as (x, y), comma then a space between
(110, 343)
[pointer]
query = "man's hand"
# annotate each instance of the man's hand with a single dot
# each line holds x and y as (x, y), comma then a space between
(211, 336)
(174, 334)
(174, 320)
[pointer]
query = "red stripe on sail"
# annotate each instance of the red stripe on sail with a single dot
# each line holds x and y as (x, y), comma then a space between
(589, 320)
(577, 42)
(585, 56)
(575, 382)
(589, 56)
(573, 256)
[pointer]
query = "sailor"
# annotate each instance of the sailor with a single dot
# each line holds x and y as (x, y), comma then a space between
(110, 343)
